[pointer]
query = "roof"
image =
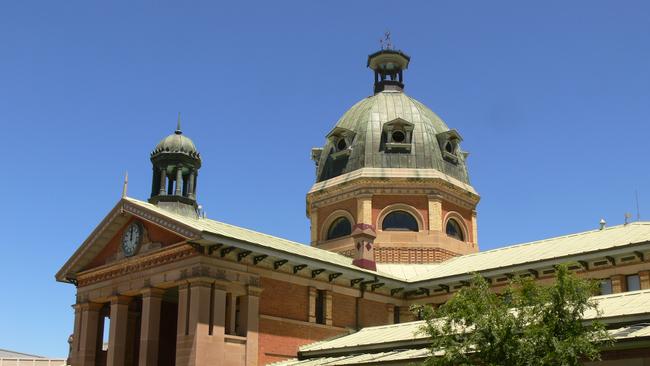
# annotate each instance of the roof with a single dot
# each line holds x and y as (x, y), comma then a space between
(365, 122)
(4, 353)
(547, 249)
(364, 358)
(611, 307)
(553, 249)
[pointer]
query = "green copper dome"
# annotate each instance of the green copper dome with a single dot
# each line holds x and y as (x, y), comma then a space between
(177, 143)
(391, 130)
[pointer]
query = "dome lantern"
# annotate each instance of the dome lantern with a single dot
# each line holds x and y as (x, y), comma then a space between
(176, 163)
(388, 65)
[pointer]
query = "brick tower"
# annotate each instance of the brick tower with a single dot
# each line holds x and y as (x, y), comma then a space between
(392, 166)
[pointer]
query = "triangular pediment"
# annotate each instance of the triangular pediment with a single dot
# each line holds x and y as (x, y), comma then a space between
(104, 245)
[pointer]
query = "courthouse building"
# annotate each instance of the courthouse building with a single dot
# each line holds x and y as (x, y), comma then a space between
(393, 223)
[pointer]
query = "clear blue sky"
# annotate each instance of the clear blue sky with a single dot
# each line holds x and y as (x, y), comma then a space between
(552, 98)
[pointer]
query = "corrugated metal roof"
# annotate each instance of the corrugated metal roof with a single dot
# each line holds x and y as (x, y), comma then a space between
(5, 353)
(254, 237)
(364, 358)
(562, 246)
(610, 306)
(548, 249)
(370, 336)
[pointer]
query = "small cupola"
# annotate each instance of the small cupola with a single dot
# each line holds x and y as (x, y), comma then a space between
(176, 163)
(388, 65)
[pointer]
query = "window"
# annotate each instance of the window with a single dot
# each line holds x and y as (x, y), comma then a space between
(633, 282)
(399, 221)
(605, 286)
(453, 230)
(320, 307)
(397, 136)
(339, 228)
(341, 144)
(449, 142)
(396, 315)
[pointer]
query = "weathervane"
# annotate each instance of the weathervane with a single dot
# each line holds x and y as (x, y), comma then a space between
(386, 43)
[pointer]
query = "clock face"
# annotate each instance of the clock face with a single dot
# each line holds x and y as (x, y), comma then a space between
(131, 239)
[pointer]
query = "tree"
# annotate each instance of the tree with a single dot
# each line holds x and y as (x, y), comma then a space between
(526, 324)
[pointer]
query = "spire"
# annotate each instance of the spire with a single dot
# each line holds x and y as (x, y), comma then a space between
(178, 125)
(126, 183)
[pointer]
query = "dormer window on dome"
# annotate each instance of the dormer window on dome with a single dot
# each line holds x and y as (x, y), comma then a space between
(449, 142)
(397, 136)
(341, 140)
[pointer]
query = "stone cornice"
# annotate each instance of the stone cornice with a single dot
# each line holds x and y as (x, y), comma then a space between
(156, 219)
(164, 256)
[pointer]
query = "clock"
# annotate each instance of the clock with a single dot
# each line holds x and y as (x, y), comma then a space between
(132, 238)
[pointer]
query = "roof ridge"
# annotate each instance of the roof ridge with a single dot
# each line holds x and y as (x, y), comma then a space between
(288, 241)
(517, 245)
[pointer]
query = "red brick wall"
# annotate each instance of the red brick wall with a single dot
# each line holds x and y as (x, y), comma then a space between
(343, 311)
(372, 313)
(420, 203)
(156, 235)
(283, 299)
(280, 340)
(412, 255)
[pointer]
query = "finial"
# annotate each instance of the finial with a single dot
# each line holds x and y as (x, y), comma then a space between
(386, 43)
(602, 224)
(178, 125)
(126, 183)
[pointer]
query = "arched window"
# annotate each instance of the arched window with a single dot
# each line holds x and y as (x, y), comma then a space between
(399, 221)
(339, 228)
(454, 230)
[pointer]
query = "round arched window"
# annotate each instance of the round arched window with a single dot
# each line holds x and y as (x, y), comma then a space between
(399, 221)
(341, 144)
(453, 230)
(339, 228)
(398, 136)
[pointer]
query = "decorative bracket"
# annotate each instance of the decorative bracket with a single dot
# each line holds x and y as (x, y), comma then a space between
(258, 258)
(242, 255)
(333, 276)
(298, 267)
(280, 263)
(316, 272)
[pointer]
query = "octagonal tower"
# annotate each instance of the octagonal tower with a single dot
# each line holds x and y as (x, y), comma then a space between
(392, 167)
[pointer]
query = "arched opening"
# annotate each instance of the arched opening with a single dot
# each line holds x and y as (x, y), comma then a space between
(454, 230)
(399, 221)
(339, 228)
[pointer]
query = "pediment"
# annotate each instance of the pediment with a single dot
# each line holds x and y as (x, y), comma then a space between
(103, 246)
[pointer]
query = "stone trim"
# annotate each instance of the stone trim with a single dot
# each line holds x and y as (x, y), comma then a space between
(461, 222)
(167, 224)
(300, 322)
(166, 256)
(330, 219)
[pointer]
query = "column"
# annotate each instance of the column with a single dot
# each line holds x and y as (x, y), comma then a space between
(390, 309)
(313, 292)
(117, 335)
(435, 213)
(89, 334)
(179, 181)
(644, 277)
(150, 326)
(163, 175)
(364, 210)
(76, 335)
(251, 305)
(182, 347)
(190, 188)
(202, 340)
(328, 307)
(618, 284)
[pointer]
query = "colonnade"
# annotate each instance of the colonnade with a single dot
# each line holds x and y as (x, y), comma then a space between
(214, 326)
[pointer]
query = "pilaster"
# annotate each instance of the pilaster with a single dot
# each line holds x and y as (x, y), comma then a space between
(390, 310)
(618, 284)
(364, 209)
(644, 278)
(251, 305)
(313, 293)
(435, 213)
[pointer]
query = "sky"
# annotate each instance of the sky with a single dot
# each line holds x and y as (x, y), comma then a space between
(552, 99)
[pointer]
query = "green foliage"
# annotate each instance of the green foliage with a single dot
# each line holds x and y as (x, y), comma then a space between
(526, 324)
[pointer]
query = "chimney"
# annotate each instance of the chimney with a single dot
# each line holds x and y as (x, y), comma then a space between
(364, 236)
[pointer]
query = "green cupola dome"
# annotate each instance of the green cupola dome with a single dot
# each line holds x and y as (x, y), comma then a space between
(390, 130)
(176, 163)
(176, 143)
